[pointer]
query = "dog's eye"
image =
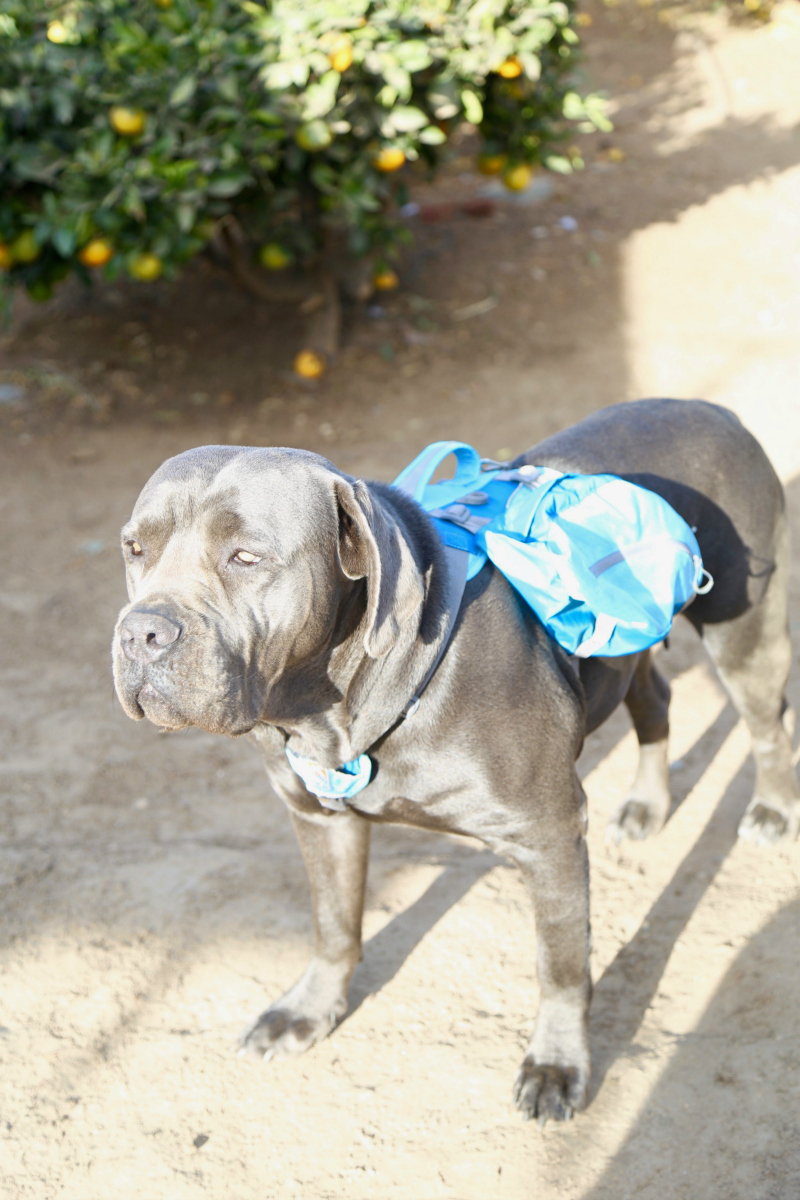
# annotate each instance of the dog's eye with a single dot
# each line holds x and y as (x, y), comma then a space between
(246, 558)
(135, 548)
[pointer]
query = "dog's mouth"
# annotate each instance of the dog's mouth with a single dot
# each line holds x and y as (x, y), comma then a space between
(161, 712)
(174, 696)
(158, 709)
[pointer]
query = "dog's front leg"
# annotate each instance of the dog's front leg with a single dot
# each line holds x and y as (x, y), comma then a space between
(336, 851)
(553, 1080)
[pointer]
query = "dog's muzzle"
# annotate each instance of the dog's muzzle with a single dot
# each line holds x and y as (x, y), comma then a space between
(147, 635)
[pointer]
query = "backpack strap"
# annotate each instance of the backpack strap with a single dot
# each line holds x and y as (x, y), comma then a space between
(413, 481)
(459, 514)
(417, 475)
(457, 563)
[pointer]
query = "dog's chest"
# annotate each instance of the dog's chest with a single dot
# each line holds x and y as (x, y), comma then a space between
(446, 792)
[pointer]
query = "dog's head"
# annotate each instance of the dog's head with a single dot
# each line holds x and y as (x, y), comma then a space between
(257, 578)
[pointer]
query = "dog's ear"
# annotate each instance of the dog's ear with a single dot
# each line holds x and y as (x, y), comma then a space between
(371, 546)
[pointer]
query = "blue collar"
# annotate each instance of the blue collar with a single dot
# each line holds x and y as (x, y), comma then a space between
(333, 788)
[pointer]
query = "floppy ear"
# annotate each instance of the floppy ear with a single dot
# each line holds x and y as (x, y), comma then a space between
(371, 546)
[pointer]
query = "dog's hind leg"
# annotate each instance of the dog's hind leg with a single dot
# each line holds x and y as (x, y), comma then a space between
(646, 807)
(336, 852)
(753, 655)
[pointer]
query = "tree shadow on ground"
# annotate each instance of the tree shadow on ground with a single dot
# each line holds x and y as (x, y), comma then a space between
(739, 1070)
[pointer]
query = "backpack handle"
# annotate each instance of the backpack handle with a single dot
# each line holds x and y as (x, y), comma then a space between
(417, 475)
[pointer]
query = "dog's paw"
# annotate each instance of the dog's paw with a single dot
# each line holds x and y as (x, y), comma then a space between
(765, 824)
(282, 1032)
(635, 819)
(544, 1092)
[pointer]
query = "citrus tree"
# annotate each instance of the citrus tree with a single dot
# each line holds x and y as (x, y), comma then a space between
(132, 130)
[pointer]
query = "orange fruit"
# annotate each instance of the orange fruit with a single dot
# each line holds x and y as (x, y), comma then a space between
(511, 68)
(57, 33)
(6, 258)
(390, 158)
(145, 267)
(274, 257)
(309, 365)
(97, 252)
(517, 178)
(491, 164)
(386, 281)
(313, 136)
(25, 248)
(129, 122)
(340, 52)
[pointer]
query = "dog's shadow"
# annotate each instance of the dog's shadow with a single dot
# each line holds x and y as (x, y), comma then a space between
(385, 953)
(629, 984)
(687, 773)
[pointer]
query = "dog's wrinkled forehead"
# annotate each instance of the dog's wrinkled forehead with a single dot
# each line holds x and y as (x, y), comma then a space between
(284, 492)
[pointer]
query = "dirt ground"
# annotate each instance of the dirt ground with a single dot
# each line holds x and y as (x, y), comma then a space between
(154, 898)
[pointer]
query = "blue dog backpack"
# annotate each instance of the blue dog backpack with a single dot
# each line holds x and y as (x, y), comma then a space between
(604, 564)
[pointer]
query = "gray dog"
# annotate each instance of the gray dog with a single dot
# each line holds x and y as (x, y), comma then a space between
(271, 594)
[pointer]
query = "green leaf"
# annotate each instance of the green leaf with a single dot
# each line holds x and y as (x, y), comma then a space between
(225, 186)
(64, 242)
(556, 162)
(595, 109)
(323, 177)
(473, 109)
(37, 166)
(396, 77)
(320, 97)
(280, 75)
(266, 117)
(432, 136)
(183, 92)
(413, 55)
(444, 100)
(186, 214)
(133, 205)
(573, 107)
(406, 118)
(531, 65)
(228, 88)
(63, 105)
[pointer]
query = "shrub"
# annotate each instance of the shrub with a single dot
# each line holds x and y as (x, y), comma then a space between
(130, 128)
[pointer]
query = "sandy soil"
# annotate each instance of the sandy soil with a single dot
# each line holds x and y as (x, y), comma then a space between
(154, 898)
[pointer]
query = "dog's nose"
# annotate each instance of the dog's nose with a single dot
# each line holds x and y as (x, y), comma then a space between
(147, 635)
